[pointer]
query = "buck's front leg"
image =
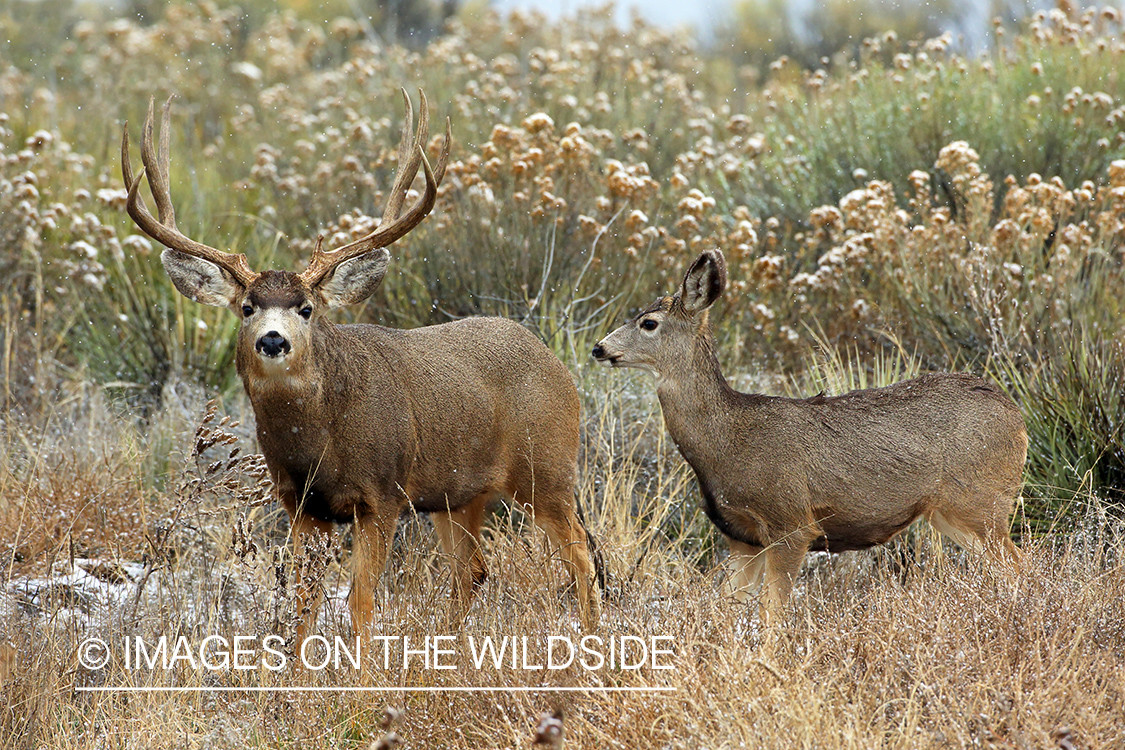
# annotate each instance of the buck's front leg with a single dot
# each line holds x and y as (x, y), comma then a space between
(302, 529)
(374, 532)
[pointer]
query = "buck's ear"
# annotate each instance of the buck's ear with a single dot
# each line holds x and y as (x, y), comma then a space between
(201, 280)
(704, 282)
(354, 280)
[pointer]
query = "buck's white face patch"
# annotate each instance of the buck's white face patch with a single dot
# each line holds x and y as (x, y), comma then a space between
(278, 315)
(278, 336)
(273, 321)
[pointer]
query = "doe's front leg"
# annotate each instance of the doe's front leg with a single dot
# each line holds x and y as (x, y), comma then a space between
(783, 565)
(747, 569)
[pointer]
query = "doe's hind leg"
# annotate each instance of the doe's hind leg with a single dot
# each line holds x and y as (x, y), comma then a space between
(989, 537)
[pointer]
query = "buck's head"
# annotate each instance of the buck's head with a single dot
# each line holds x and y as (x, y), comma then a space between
(661, 339)
(279, 309)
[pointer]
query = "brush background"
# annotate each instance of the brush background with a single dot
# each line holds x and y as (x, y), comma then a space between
(887, 207)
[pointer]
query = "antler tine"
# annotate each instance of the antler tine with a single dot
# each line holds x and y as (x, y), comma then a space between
(156, 164)
(393, 227)
(135, 204)
(408, 160)
(443, 157)
(155, 168)
(406, 145)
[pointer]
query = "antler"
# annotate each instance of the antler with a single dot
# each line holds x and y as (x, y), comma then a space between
(164, 231)
(411, 154)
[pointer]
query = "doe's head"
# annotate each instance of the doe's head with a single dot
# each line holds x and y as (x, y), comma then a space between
(661, 338)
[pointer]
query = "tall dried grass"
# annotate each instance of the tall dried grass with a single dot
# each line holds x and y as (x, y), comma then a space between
(911, 646)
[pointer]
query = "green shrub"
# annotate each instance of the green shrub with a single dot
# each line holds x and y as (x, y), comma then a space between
(1071, 400)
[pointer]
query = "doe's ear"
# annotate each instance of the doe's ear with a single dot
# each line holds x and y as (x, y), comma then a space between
(354, 280)
(704, 282)
(201, 280)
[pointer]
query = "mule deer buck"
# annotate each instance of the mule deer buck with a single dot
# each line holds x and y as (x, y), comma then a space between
(356, 422)
(781, 475)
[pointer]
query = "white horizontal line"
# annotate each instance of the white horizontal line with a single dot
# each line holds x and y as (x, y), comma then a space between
(345, 689)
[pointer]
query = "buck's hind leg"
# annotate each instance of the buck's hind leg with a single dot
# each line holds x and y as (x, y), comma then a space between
(558, 518)
(748, 568)
(459, 533)
(371, 544)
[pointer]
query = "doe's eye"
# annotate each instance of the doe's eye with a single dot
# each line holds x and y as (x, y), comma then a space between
(305, 312)
(649, 324)
(247, 311)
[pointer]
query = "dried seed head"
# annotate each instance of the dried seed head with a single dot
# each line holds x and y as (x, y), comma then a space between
(549, 731)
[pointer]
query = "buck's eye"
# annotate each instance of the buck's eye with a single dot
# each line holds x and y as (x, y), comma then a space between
(648, 324)
(305, 312)
(247, 311)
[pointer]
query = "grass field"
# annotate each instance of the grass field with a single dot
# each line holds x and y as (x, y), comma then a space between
(903, 209)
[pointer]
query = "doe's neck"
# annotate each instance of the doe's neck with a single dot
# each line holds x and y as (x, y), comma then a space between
(695, 397)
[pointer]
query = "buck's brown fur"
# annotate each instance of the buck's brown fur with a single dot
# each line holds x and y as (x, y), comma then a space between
(446, 418)
(357, 422)
(780, 476)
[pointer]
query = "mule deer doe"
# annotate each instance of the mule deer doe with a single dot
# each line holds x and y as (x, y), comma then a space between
(358, 421)
(781, 475)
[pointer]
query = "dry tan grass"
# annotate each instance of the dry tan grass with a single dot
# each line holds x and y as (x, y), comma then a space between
(907, 647)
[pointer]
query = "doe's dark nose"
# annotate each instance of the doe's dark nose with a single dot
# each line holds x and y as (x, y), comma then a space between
(598, 352)
(272, 344)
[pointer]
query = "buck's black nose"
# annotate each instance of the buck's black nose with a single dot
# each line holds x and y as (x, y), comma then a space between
(598, 352)
(272, 344)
